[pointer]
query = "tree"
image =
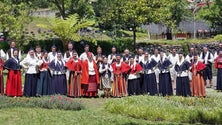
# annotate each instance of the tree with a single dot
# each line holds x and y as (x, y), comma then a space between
(212, 13)
(134, 13)
(13, 18)
(67, 29)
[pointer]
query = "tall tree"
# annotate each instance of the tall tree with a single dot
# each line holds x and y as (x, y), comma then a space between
(67, 29)
(134, 13)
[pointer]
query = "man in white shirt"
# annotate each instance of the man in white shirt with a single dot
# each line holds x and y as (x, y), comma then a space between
(173, 57)
(53, 54)
(112, 56)
(156, 57)
(207, 58)
(139, 57)
(9, 53)
(83, 56)
(69, 52)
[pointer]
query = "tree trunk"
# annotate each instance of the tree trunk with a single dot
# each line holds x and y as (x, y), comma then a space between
(61, 7)
(134, 36)
(169, 34)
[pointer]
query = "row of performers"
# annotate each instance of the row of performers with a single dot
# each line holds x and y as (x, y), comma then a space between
(45, 77)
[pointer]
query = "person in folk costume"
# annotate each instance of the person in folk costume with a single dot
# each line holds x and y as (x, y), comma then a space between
(90, 77)
(218, 50)
(134, 77)
(126, 56)
(112, 56)
(198, 85)
(84, 56)
(189, 58)
(9, 53)
(58, 71)
(182, 68)
(44, 80)
(14, 80)
(30, 64)
(149, 84)
(53, 54)
(173, 57)
(106, 77)
(218, 66)
(1, 75)
(156, 57)
(38, 52)
(67, 56)
(120, 70)
(75, 67)
(99, 60)
(165, 83)
(207, 58)
(139, 55)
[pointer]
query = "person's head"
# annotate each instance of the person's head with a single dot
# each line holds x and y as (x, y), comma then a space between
(161, 54)
(156, 51)
(31, 52)
(180, 55)
(174, 51)
(126, 52)
(131, 60)
(15, 53)
(118, 57)
(146, 54)
(86, 48)
(59, 55)
(99, 50)
(53, 48)
(220, 45)
(205, 49)
(89, 55)
(74, 54)
(45, 53)
(140, 51)
(195, 57)
(38, 49)
(113, 49)
(105, 60)
(220, 53)
(13, 44)
(192, 49)
(70, 46)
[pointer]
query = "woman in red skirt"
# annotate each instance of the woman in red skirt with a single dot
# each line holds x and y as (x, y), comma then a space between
(14, 81)
(1, 76)
(90, 77)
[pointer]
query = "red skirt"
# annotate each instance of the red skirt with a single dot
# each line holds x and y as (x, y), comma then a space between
(92, 84)
(1, 84)
(14, 83)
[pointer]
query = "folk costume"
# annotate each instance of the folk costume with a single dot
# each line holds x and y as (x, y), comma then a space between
(31, 77)
(1, 76)
(119, 87)
(44, 80)
(14, 81)
(74, 83)
(198, 85)
(165, 84)
(134, 79)
(182, 68)
(58, 84)
(149, 78)
(218, 66)
(90, 77)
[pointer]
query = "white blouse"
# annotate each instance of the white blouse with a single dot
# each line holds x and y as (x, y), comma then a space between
(91, 68)
(30, 63)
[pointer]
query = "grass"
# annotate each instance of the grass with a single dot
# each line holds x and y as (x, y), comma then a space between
(135, 110)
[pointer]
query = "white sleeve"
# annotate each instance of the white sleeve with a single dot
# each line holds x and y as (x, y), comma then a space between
(2, 54)
(202, 60)
(211, 58)
(19, 55)
(101, 70)
(215, 55)
(24, 63)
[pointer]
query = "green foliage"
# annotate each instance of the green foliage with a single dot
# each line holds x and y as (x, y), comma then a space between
(177, 109)
(53, 102)
(218, 37)
(67, 29)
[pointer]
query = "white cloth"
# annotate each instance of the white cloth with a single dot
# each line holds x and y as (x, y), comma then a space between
(183, 73)
(19, 54)
(30, 63)
(205, 60)
(134, 75)
(84, 57)
(173, 59)
(91, 68)
(110, 60)
(51, 56)
(2, 54)
(156, 58)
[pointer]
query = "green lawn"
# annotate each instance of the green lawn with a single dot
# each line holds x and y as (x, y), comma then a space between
(135, 110)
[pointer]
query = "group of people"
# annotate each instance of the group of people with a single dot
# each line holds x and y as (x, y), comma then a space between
(118, 75)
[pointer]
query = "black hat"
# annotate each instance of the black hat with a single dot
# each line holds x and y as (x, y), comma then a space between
(131, 56)
(31, 49)
(45, 51)
(195, 54)
(118, 55)
(180, 52)
(59, 51)
(53, 46)
(86, 45)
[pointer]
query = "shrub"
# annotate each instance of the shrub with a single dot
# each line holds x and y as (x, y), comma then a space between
(218, 37)
(48, 102)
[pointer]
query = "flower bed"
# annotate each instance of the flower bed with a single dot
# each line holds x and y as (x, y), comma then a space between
(48, 102)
